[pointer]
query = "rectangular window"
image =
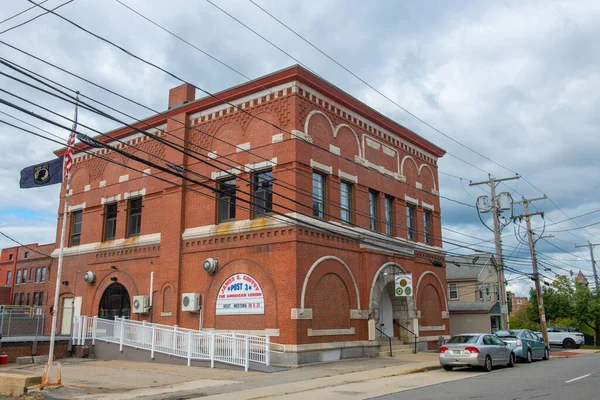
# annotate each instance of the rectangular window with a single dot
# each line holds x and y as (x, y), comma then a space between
(263, 193)
(41, 299)
(487, 290)
(389, 215)
(10, 257)
(110, 221)
(226, 200)
(373, 195)
(35, 299)
(43, 275)
(8, 278)
(318, 195)
(76, 218)
(26, 254)
(38, 274)
(22, 299)
(31, 276)
(453, 291)
(134, 217)
(411, 222)
(16, 299)
(427, 227)
(480, 290)
(18, 281)
(28, 298)
(24, 276)
(346, 202)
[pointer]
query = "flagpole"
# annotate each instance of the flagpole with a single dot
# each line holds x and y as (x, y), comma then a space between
(67, 164)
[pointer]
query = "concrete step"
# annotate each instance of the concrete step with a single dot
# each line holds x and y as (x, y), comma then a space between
(395, 352)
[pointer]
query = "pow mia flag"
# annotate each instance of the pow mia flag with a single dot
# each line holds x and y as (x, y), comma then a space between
(44, 174)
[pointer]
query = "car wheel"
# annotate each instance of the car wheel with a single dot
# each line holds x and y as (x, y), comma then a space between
(569, 343)
(529, 357)
(546, 354)
(448, 368)
(511, 360)
(487, 367)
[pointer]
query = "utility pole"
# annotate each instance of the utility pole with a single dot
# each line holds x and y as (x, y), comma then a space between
(495, 215)
(591, 247)
(536, 275)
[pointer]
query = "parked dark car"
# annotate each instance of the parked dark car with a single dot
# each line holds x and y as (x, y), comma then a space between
(525, 344)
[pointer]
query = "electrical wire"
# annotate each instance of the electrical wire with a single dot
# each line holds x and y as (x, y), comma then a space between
(22, 12)
(37, 16)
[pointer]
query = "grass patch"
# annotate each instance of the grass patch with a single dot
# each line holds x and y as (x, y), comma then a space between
(589, 347)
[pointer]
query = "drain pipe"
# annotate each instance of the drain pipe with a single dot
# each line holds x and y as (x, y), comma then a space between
(151, 296)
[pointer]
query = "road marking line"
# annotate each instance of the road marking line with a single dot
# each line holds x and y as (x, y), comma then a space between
(576, 379)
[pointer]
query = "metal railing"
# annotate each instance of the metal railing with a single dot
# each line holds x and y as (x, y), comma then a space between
(227, 347)
(415, 336)
(389, 340)
(22, 321)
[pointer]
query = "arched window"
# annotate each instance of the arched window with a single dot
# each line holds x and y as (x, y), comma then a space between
(115, 302)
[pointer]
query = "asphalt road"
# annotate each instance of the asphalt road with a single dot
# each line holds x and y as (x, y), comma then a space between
(556, 379)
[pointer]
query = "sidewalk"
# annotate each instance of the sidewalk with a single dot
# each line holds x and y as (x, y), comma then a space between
(93, 379)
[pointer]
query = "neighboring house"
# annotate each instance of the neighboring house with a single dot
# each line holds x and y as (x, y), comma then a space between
(26, 270)
(517, 304)
(473, 293)
(345, 174)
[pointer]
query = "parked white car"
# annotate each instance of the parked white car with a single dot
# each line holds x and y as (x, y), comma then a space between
(569, 338)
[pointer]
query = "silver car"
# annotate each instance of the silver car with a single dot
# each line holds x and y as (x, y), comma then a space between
(475, 350)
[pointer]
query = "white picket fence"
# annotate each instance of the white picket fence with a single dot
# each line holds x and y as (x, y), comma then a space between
(227, 347)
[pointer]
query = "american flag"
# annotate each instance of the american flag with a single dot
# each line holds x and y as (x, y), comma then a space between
(70, 144)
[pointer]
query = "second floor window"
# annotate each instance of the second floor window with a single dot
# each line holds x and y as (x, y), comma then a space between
(389, 215)
(38, 274)
(318, 195)
(8, 278)
(226, 202)
(76, 218)
(480, 290)
(10, 257)
(40, 299)
(346, 202)
(35, 299)
(134, 217)
(24, 276)
(44, 274)
(373, 210)
(110, 221)
(427, 228)
(18, 281)
(263, 193)
(411, 222)
(453, 291)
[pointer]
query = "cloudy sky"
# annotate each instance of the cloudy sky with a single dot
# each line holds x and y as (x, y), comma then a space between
(514, 87)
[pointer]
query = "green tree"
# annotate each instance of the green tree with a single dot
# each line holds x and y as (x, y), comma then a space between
(586, 307)
(558, 301)
(521, 320)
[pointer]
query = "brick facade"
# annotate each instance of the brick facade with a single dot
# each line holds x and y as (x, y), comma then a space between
(316, 281)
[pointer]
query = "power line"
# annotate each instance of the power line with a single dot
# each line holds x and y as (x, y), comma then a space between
(36, 17)
(22, 12)
(22, 245)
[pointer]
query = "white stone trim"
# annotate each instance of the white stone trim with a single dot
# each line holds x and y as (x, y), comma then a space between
(432, 328)
(118, 244)
(76, 207)
(315, 265)
(212, 155)
(330, 332)
(347, 177)
(261, 165)
(359, 314)
(428, 206)
(298, 348)
(240, 102)
(166, 314)
(411, 200)
(388, 151)
(334, 150)
(242, 147)
(296, 134)
(123, 178)
(137, 193)
(229, 172)
(431, 338)
(102, 184)
(261, 332)
(147, 172)
(302, 313)
(419, 185)
(372, 143)
(112, 199)
(70, 192)
(321, 167)
(278, 137)
(87, 188)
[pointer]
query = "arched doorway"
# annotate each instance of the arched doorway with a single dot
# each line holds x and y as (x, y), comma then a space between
(114, 302)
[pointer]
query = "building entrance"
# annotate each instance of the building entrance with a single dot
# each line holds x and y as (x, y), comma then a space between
(114, 302)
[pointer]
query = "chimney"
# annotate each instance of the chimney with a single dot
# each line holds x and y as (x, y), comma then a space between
(181, 94)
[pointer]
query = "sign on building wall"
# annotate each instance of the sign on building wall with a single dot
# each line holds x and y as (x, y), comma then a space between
(240, 294)
(403, 285)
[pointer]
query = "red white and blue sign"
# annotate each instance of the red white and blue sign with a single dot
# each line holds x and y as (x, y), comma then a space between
(240, 294)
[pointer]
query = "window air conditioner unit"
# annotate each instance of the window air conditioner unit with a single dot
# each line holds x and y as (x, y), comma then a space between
(190, 302)
(140, 304)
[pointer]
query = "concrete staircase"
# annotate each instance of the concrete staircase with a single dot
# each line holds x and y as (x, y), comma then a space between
(398, 347)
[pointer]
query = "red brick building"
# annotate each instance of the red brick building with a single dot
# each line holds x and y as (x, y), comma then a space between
(361, 189)
(26, 270)
(517, 304)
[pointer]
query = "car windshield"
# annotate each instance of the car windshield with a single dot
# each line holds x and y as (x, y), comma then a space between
(462, 339)
(507, 333)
